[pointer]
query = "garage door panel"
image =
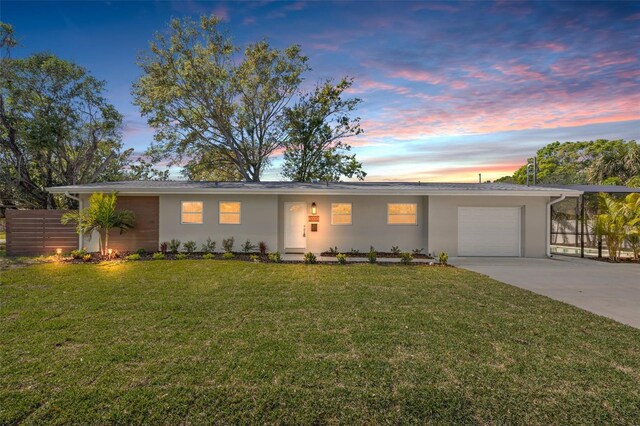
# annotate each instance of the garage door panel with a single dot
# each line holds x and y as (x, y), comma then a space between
(489, 231)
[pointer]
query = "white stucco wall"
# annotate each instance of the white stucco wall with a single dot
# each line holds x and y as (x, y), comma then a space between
(368, 225)
(443, 221)
(258, 220)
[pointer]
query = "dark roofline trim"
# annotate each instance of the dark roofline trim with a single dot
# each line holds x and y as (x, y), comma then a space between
(293, 188)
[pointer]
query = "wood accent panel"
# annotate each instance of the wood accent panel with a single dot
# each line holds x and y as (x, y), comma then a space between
(146, 232)
(38, 232)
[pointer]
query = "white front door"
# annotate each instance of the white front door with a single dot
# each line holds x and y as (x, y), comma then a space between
(295, 226)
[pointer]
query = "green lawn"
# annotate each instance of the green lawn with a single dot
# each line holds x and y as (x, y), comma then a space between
(226, 342)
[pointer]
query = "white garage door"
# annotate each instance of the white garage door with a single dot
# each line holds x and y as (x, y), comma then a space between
(489, 231)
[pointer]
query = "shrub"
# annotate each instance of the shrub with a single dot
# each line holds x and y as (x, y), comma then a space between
(275, 257)
(174, 245)
(208, 256)
(342, 258)
(354, 252)
(141, 251)
(255, 258)
(181, 256)
(78, 254)
(247, 247)
(228, 255)
(209, 246)
(372, 256)
(333, 250)
(395, 250)
(157, 256)
(262, 246)
(310, 258)
(190, 246)
(87, 257)
(443, 258)
(227, 244)
(417, 251)
(406, 258)
(134, 256)
(164, 246)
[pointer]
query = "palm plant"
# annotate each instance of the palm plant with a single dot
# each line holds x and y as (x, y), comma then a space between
(611, 224)
(632, 212)
(101, 216)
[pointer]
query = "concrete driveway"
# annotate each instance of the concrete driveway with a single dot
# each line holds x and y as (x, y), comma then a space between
(611, 290)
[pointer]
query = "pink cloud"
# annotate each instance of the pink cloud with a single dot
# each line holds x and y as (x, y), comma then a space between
(325, 46)
(521, 71)
(363, 86)
(554, 47)
(420, 76)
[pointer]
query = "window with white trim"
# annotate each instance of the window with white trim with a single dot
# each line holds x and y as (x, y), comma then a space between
(402, 214)
(229, 213)
(191, 212)
(341, 213)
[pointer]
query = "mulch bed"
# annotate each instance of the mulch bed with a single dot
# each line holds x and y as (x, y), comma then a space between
(378, 254)
(246, 257)
(623, 260)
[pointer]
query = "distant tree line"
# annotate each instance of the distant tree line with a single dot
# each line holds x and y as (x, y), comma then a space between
(601, 162)
(219, 112)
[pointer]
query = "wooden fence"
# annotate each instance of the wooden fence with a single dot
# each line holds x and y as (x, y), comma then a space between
(38, 232)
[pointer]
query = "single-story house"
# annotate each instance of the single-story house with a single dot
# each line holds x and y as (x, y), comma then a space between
(483, 219)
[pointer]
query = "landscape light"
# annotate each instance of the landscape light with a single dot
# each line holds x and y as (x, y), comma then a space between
(109, 251)
(58, 251)
(314, 209)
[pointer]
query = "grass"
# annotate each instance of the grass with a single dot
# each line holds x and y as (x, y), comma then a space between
(233, 342)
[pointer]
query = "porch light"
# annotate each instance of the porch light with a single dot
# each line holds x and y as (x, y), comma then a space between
(314, 209)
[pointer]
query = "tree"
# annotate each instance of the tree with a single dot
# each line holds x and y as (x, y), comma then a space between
(585, 162)
(199, 96)
(101, 216)
(211, 165)
(316, 127)
(56, 128)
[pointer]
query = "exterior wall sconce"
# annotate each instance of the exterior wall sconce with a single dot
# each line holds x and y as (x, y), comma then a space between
(314, 209)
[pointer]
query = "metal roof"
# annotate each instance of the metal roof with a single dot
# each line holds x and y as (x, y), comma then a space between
(590, 189)
(329, 188)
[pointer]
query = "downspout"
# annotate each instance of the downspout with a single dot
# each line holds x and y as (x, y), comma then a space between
(80, 234)
(549, 204)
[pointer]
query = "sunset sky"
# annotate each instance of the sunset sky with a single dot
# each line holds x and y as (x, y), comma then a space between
(449, 89)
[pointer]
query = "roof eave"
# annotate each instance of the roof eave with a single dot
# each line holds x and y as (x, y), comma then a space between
(306, 191)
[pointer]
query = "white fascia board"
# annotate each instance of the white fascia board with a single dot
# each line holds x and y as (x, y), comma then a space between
(275, 191)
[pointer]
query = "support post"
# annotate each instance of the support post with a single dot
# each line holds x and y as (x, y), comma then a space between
(582, 225)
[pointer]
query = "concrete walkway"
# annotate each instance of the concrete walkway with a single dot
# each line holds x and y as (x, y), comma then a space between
(611, 290)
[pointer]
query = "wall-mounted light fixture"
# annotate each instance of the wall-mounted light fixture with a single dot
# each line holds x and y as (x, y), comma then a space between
(314, 209)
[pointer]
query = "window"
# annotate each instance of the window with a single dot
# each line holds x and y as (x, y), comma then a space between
(341, 214)
(230, 212)
(402, 214)
(192, 212)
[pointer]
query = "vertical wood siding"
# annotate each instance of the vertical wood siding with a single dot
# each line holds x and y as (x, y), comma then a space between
(146, 232)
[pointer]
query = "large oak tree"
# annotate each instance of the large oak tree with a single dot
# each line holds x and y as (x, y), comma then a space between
(209, 101)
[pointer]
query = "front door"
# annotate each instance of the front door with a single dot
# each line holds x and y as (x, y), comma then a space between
(295, 226)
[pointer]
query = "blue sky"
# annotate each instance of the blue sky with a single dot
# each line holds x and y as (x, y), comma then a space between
(450, 89)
